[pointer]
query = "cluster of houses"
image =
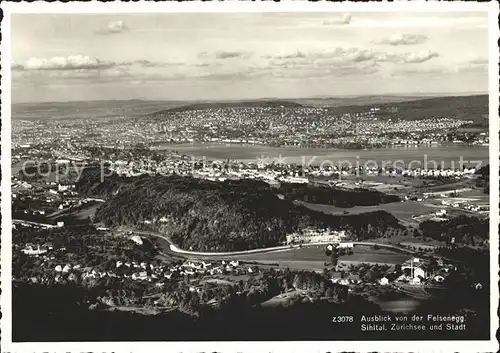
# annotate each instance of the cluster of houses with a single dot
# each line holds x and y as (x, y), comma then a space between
(444, 172)
(51, 187)
(268, 171)
(243, 172)
(440, 275)
(18, 184)
(352, 279)
(212, 170)
(35, 250)
(50, 194)
(415, 271)
(389, 171)
(48, 197)
(149, 272)
(128, 269)
(466, 204)
(191, 268)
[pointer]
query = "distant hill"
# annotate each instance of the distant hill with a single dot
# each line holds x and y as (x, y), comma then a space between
(91, 109)
(461, 107)
(232, 104)
(357, 100)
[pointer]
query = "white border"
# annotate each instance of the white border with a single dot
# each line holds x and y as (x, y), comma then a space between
(148, 7)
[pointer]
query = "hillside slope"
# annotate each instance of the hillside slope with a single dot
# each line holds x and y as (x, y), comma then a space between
(473, 108)
(235, 104)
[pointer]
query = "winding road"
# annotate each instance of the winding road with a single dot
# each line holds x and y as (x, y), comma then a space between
(174, 250)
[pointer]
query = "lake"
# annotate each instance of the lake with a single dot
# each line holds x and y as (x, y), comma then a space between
(442, 154)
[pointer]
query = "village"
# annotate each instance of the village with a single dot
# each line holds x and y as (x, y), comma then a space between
(53, 266)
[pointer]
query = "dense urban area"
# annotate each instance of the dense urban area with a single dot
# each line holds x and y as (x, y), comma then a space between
(142, 238)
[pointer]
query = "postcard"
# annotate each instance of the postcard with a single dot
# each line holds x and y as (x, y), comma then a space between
(249, 176)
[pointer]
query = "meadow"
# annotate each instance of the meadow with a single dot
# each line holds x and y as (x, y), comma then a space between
(314, 257)
(400, 210)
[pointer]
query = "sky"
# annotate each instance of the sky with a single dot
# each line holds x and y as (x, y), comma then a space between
(225, 56)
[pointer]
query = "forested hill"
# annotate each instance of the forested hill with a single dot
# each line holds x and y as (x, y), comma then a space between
(229, 216)
(237, 104)
(460, 107)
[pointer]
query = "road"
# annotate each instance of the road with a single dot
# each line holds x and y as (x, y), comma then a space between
(174, 250)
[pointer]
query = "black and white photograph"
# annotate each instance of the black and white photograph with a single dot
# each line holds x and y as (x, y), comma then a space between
(248, 173)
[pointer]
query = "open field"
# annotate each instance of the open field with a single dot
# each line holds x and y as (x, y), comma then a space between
(314, 257)
(371, 181)
(316, 266)
(475, 196)
(409, 239)
(284, 299)
(401, 210)
(375, 256)
(217, 281)
(309, 253)
(82, 213)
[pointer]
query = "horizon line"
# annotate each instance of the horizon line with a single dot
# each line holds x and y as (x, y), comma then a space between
(402, 95)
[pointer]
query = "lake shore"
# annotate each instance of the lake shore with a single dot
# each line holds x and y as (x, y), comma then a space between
(443, 155)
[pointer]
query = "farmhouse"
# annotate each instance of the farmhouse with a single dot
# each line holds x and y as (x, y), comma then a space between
(417, 268)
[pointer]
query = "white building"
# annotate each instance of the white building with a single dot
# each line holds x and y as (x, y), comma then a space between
(441, 212)
(30, 250)
(65, 187)
(346, 245)
(136, 239)
(315, 236)
(140, 276)
(294, 180)
(384, 281)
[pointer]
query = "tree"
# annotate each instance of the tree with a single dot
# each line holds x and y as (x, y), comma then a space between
(334, 259)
